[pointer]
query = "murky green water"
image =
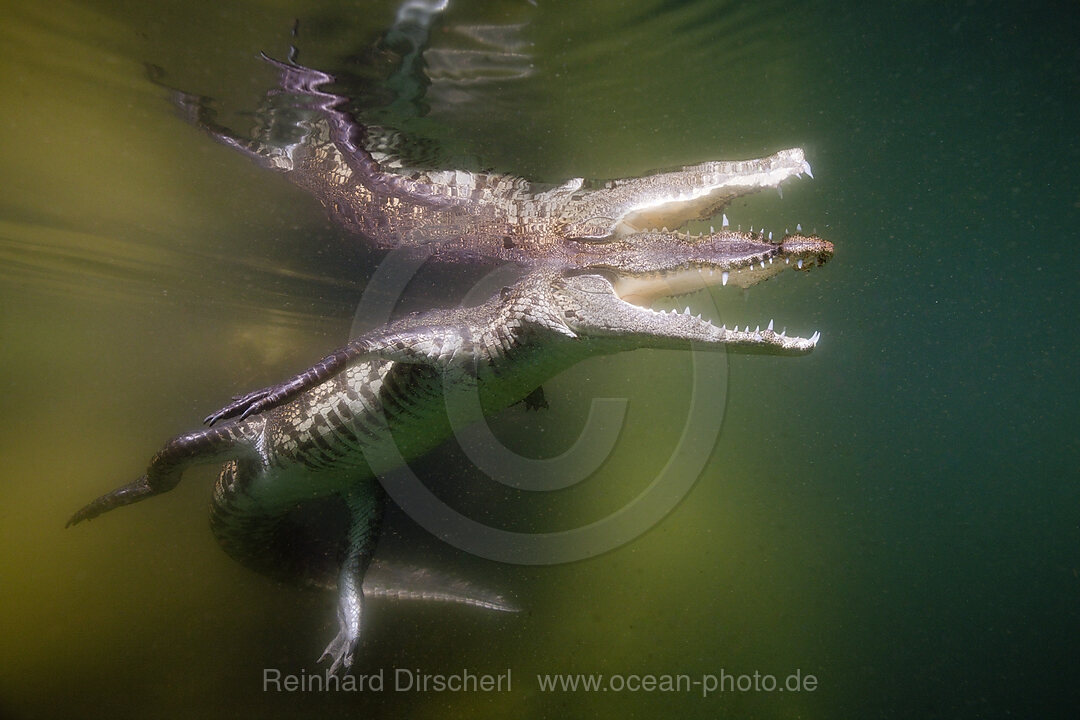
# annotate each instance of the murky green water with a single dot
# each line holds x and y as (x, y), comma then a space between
(896, 514)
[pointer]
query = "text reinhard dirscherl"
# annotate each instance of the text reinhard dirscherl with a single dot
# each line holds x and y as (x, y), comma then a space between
(410, 680)
(400, 680)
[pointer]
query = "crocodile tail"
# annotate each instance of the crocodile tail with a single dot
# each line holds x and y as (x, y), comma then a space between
(165, 470)
(398, 582)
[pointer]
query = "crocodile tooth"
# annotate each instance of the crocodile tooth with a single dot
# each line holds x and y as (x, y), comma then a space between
(762, 264)
(724, 277)
(799, 264)
(806, 169)
(757, 330)
(770, 324)
(787, 261)
(686, 311)
(798, 227)
(780, 191)
(770, 235)
(724, 222)
(723, 328)
(783, 332)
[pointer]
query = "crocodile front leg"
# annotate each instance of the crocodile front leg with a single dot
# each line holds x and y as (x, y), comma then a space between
(366, 504)
(392, 346)
(257, 401)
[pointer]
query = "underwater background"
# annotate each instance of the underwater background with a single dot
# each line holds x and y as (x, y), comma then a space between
(896, 514)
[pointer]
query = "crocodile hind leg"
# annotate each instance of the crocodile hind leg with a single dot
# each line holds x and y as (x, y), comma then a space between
(165, 469)
(365, 504)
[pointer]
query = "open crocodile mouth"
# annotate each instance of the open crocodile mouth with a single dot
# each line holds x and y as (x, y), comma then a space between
(721, 258)
(618, 238)
(728, 258)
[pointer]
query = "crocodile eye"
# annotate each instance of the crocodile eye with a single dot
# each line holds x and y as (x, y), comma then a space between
(505, 294)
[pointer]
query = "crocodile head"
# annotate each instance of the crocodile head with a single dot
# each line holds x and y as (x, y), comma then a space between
(612, 308)
(622, 208)
(620, 230)
(650, 265)
(629, 274)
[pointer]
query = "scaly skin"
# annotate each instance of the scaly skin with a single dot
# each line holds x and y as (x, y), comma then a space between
(596, 255)
(475, 217)
(382, 399)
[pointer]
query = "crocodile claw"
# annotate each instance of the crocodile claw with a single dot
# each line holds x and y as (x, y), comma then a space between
(257, 401)
(244, 405)
(341, 648)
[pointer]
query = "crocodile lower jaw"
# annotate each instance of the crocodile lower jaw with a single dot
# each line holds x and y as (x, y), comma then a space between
(759, 339)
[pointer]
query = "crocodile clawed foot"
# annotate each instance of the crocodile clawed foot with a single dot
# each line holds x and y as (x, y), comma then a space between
(265, 398)
(243, 405)
(341, 648)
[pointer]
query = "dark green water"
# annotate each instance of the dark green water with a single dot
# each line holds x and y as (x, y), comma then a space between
(897, 514)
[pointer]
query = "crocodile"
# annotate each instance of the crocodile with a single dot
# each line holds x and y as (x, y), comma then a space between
(362, 174)
(594, 256)
(325, 432)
